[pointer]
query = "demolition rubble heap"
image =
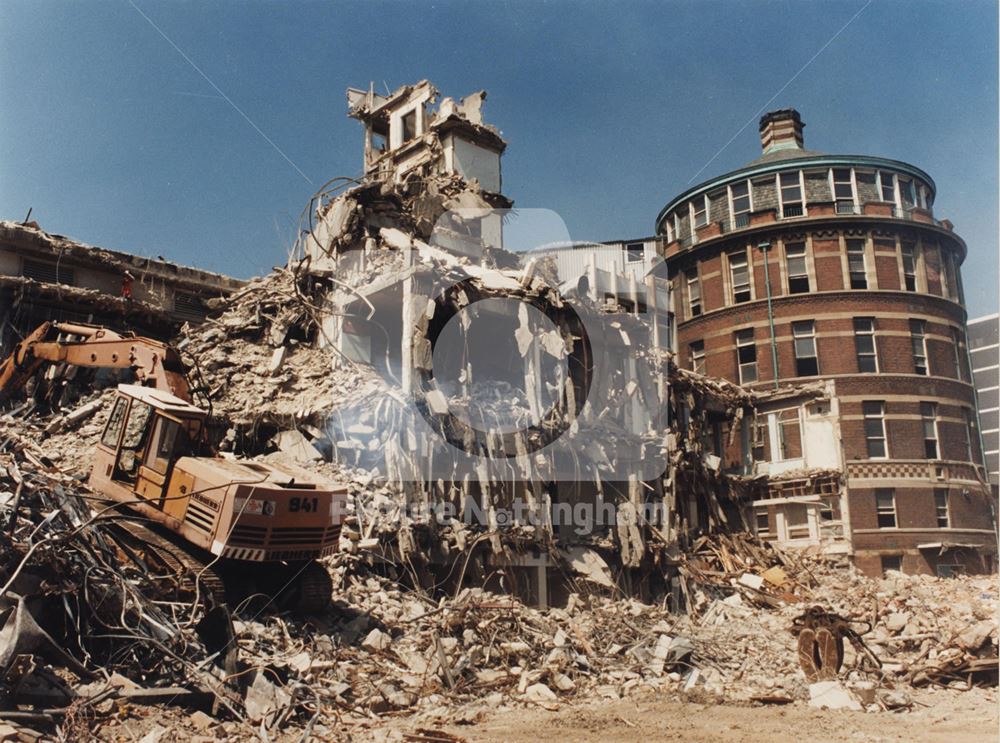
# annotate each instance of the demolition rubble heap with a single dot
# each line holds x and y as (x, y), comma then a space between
(91, 639)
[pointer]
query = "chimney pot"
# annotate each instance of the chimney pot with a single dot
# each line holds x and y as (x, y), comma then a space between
(781, 130)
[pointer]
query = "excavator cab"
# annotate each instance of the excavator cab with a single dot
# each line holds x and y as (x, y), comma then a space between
(146, 433)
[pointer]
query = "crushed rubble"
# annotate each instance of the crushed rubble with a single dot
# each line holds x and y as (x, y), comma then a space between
(427, 621)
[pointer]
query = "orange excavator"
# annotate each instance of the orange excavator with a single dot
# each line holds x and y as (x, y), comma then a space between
(223, 528)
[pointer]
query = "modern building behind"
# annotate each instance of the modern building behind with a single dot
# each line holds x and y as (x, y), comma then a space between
(831, 274)
(984, 351)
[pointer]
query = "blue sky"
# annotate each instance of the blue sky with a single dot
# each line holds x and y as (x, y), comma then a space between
(610, 109)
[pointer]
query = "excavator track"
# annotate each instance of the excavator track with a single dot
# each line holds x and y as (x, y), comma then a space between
(190, 576)
(314, 588)
(194, 578)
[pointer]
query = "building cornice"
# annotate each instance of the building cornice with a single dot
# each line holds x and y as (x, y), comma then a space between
(810, 161)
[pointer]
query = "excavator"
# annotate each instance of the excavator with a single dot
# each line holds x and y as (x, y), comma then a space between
(221, 529)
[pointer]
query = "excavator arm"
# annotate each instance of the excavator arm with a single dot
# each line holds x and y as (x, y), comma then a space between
(155, 364)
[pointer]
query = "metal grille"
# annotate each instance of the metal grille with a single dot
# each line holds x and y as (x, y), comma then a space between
(199, 517)
(297, 535)
(254, 535)
(47, 273)
(189, 307)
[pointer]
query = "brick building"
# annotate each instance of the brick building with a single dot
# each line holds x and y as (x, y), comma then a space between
(831, 273)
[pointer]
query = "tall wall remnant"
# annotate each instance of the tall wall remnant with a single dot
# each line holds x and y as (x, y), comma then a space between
(523, 424)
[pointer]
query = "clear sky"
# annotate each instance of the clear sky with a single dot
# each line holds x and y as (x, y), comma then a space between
(610, 109)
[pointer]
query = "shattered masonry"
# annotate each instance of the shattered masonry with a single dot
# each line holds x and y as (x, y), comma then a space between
(319, 363)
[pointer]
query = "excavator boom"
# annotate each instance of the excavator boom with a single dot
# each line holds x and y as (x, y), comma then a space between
(156, 364)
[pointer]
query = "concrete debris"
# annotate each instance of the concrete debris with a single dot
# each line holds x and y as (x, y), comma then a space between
(832, 695)
(441, 618)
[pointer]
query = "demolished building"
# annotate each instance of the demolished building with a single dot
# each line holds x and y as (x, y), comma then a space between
(519, 425)
(49, 277)
(448, 381)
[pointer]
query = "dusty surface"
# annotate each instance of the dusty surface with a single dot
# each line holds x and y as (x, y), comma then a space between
(970, 718)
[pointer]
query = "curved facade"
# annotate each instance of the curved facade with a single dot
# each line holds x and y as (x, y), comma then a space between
(866, 296)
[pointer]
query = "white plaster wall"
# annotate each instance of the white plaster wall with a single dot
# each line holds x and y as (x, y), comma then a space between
(472, 161)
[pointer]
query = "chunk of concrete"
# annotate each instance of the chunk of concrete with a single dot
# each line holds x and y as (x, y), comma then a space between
(539, 693)
(831, 695)
(376, 640)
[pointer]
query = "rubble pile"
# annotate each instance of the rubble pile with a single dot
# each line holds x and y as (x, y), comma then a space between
(257, 360)
(85, 617)
(107, 631)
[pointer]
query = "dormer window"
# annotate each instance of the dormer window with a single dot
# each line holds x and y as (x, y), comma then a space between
(887, 186)
(699, 211)
(842, 185)
(740, 203)
(790, 190)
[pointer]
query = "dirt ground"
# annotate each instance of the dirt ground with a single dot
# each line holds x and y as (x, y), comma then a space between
(951, 717)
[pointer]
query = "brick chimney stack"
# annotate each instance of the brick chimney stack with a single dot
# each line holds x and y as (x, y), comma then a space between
(781, 130)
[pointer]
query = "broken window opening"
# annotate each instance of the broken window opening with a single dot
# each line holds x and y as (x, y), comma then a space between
(409, 123)
(789, 435)
(762, 523)
(892, 562)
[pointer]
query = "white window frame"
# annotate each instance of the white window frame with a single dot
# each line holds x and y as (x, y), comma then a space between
(853, 184)
(802, 193)
(694, 211)
(742, 342)
(732, 277)
(864, 261)
(957, 345)
(732, 210)
(691, 277)
(932, 418)
(869, 333)
(884, 438)
(805, 267)
(671, 232)
(913, 259)
(968, 419)
(881, 510)
(797, 335)
(922, 325)
(942, 510)
(677, 225)
(697, 358)
(894, 185)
